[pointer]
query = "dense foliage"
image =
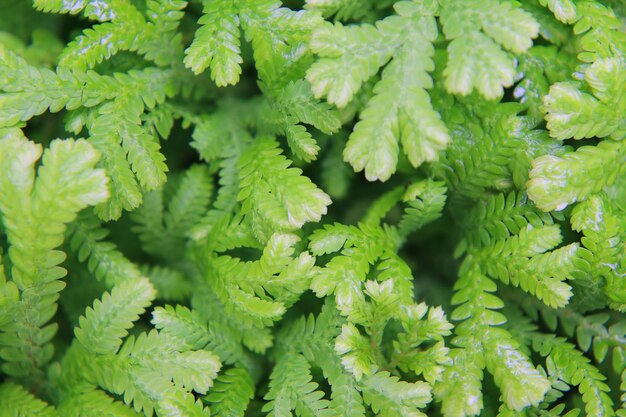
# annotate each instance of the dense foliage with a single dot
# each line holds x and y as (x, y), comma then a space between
(323, 208)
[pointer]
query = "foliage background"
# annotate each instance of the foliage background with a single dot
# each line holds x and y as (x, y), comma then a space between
(318, 208)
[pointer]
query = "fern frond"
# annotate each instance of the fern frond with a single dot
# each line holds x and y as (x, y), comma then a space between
(557, 181)
(217, 43)
(92, 401)
(602, 33)
(400, 110)
(29, 91)
(152, 374)
(182, 403)
(575, 369)
(500, 216)
(126, 29)
(90, 8)
(389, 397)
(424, 201)
(182, 326)
(520, 383)
(574, 112)
(603, 242)
(228, 337)
(103, 259)
(231, 393)
(481, 152)
(164, 228)
(18, 402)
(291, 388)
(478, 30)
(102, 327)
(278, 194)
(564, 10)
(278, 36)
(35, 210)
(350, 56)
(341, 9)
(519, 259)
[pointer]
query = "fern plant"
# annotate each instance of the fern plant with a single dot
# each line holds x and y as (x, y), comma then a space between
(312, 208)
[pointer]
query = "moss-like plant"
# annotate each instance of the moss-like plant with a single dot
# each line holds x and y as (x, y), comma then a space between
(323, 208)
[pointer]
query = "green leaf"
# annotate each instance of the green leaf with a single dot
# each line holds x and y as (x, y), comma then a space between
(216, 44)
(557, 181)
(18, 402)
(102, 327)
(231, 393)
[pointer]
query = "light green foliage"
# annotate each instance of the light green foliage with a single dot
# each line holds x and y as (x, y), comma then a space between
(347, 9)
(515, 243)
(217, 43)
(400, 110)
(118, 118)
(564, 10)
(316, 208)
(103, 259)
(577, 114)
(372, 247)
(231, 393)
(604, 248)
(275, 194)
(484, 345)
(157, 224)
(278, 36)
(19, 402)
(567, 365)
(480, 32)
(35, 208)
(355, 358)
(290, 107)
(104, 325)
(150, 371)
(601, 32)
(555, 182)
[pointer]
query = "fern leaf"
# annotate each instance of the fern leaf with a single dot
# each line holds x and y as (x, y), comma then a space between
(182, 404)
(105, 261)
(556, 181)
(520, 383)
(102, 327)
(231, 393)
(389, 397)
(291, 388)
(91, 8)
(475, 29)
(578, 114)
(350, 56)
(576, 370)
(95, 402)
(216, 44)
(18, 402)
(564, 10)
(35, 211)
(279, 194)
(182, 326)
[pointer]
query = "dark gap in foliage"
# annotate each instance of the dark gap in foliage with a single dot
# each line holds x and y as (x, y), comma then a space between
(429, 254)
(491, 395)
(46, 127)
(308, 304)
(127, 243)
(245, 254)
(72, 26)
(178, 153)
